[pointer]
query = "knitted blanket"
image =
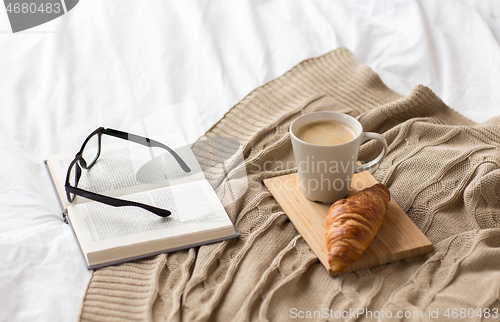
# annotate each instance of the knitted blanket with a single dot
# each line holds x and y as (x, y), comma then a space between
(441, 168)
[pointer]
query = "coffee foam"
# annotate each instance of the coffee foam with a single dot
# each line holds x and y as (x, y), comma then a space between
(326, 132)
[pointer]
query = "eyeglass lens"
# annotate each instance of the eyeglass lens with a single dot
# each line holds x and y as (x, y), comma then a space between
(91, 150)
(73, 181)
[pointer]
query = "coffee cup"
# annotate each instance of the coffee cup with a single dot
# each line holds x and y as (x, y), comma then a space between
(325, 145)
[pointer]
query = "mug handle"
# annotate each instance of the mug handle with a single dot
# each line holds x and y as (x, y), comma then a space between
(365, 136)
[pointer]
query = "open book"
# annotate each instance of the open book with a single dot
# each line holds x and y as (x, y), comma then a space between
(126, 170)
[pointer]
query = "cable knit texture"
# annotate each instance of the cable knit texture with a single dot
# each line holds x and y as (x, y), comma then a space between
(441, 168)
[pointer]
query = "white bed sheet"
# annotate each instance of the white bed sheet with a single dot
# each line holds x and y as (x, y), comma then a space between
(124, 64)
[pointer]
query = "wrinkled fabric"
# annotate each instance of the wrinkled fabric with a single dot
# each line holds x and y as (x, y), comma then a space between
(441, 168)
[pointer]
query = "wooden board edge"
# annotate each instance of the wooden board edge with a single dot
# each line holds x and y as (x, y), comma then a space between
(298, 228)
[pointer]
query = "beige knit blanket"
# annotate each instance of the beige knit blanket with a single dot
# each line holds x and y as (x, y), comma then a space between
(441, 168)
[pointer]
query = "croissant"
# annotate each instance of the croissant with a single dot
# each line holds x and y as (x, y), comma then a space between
(352, 223)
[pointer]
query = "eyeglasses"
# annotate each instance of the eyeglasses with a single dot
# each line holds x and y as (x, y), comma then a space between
(86, 158)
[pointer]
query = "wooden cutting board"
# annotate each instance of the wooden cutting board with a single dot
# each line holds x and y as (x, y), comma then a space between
(397, 238)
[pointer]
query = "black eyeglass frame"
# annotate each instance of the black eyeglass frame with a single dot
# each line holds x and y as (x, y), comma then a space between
(79, 163)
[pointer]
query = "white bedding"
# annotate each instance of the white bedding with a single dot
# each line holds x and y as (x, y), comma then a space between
(125, 64)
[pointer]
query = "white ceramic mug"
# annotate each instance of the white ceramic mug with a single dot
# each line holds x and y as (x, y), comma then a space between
(325, 171)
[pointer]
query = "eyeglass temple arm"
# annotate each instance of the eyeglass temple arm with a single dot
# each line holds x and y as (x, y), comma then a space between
(147, 142)
(116, 202)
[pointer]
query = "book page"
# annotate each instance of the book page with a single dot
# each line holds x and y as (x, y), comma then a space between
(194, 206)
(127, 167)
